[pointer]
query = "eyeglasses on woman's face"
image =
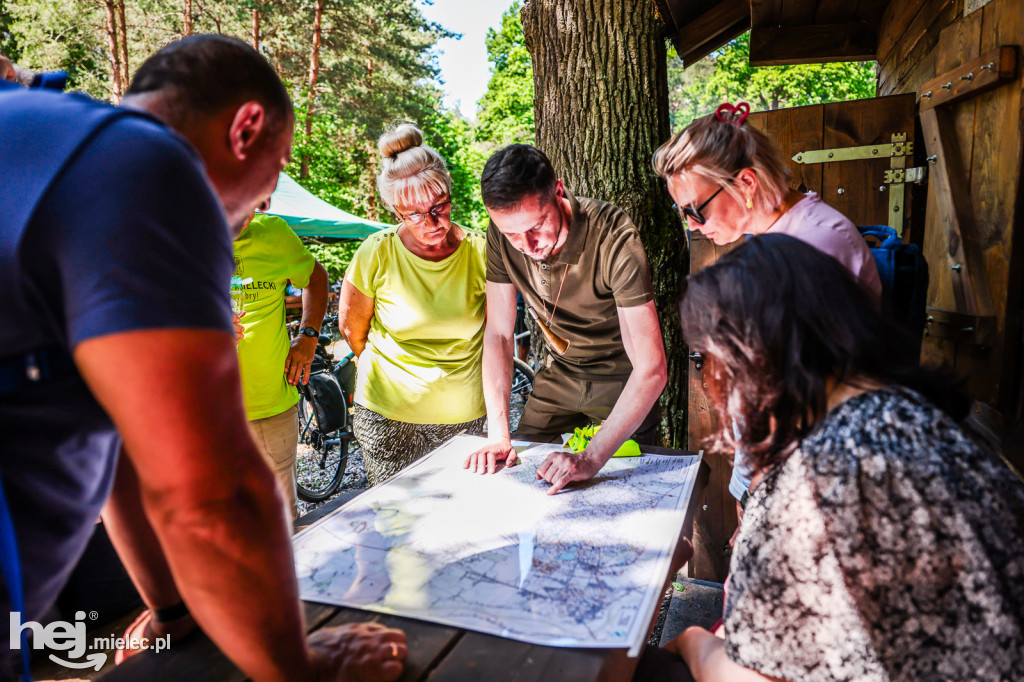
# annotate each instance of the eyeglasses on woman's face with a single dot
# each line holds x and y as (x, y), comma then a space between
(695, 213)
(437, 212)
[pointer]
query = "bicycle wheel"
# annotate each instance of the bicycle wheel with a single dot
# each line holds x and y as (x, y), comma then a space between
(320, 459)
(522, 387)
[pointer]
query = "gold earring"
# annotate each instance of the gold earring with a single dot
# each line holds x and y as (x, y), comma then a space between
(750, 203)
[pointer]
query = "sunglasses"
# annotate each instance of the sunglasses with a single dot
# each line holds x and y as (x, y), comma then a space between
(438, 211)
(694, 213)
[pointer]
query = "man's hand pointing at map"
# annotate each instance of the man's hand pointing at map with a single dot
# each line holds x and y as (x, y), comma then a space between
(561, 468)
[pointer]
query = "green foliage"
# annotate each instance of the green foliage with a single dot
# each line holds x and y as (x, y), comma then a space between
(334, 257)
(506, 109)
(726, 76)
(58, 35)
(8, 42)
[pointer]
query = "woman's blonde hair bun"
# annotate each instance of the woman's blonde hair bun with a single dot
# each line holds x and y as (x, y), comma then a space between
(411, 171)
(399, 137)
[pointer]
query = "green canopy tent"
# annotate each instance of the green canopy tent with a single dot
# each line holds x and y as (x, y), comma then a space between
(310, 216)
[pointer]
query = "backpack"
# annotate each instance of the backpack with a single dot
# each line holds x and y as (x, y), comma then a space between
(324, 394)
(904, 274)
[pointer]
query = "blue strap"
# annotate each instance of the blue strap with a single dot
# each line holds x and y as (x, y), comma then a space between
(10, 562)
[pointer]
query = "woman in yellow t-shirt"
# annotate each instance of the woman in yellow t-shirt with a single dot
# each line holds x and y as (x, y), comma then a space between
(412, 308)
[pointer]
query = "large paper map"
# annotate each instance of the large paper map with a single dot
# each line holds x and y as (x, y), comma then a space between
(496, 554)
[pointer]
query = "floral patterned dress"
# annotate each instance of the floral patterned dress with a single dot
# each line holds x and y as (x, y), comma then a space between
(889, 546)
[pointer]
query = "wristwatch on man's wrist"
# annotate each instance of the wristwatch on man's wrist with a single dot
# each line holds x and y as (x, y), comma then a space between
(309, 331)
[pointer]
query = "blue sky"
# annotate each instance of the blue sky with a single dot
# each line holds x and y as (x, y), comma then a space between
(464, 66)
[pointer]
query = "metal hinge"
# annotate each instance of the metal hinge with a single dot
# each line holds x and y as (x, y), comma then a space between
(898, 147)
(896, 151)
(916, 175)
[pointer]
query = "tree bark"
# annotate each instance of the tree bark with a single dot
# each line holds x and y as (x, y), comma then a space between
(187, 26)
(115, 59)
(123, 26)
(314, 73)
(256, 29)
(601, 110)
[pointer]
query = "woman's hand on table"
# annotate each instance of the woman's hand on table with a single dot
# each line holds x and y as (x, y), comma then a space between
(358, 652)
(485, 460)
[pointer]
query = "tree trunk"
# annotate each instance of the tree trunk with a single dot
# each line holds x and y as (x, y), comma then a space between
(601, 110)
(187, 26)
(314, 73)
(115, 59)
(125, 71)
(256, 29)
(372, 212)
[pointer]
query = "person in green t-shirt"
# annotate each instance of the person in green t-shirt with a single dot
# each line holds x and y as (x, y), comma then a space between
(412, 308)
(272, 255)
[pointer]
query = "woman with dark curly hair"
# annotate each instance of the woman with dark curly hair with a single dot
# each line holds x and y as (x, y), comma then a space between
(880, 541)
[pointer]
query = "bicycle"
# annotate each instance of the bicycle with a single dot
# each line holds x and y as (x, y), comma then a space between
(325, 426)
(523, 377)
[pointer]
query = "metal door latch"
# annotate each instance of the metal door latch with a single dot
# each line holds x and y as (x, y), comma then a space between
(698, 360)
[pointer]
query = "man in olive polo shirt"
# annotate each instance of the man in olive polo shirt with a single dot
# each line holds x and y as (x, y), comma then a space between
(579, 264)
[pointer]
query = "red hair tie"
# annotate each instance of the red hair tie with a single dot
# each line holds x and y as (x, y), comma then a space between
(736, 115)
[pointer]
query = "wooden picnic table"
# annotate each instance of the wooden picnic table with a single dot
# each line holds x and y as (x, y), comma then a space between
(437, 653)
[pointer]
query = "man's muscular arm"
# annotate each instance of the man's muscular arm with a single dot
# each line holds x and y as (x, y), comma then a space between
(641, 338)
(212, 503)
(497, 371)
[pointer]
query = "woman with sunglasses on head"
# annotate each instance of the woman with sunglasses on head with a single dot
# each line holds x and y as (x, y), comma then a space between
(729, 180)
(412, 309)
(881, 542)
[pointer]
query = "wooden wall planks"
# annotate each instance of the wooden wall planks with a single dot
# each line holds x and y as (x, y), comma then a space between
(863, 122)
(909, 32)
(793, 130)
(920, 41)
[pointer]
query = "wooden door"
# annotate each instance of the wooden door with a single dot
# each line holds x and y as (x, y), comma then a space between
(863, 189)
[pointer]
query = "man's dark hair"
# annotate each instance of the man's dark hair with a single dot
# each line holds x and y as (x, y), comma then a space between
(776, 319)
(514, 173)
(207, 73)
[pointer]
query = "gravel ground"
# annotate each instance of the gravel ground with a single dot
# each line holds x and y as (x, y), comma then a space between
(354, 479)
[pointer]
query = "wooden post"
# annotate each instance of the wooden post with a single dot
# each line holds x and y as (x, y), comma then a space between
(964, 254)
(714, 519)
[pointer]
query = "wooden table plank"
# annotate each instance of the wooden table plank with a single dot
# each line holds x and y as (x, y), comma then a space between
(194, 658)
(428, 643)
(486, 658)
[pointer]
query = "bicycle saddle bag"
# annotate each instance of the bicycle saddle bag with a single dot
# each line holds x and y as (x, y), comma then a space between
(328, 401)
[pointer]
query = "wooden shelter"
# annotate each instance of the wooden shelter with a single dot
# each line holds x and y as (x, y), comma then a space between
(937, 155)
